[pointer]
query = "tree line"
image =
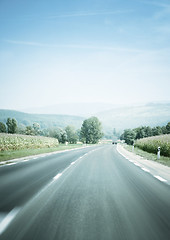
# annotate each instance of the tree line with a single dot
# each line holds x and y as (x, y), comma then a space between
(90, 132)
(130, 135)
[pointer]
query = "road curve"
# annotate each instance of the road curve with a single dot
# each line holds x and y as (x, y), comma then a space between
(98, 194)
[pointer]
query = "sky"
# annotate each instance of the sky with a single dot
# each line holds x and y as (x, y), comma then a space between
(110, 51)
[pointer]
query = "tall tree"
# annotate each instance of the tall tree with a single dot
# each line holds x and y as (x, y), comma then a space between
(36, 127)
(91, 130)
(168, 127)
(129, 136)
(2, 128)
(71, 134)
(14, 125)
(9, 125)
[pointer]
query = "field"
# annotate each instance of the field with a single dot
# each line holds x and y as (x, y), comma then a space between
(17, 146)
(151, 144)
(18, 142)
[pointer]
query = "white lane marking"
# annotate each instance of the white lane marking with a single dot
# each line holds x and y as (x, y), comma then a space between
(57, 176)
(60, 174)
(137, 164)
(160, 178)
(11, 164)
(6, 221)
(145, 169)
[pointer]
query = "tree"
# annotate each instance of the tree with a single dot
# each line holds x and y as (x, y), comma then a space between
(129, 136)
(29, 130)
(140, 132)
(2, 128)
(36, 127)
(91, 130)
(14, 125)
(21, 129)
(148, 131)
(156, 131)
(168, 127)
(71, 135)
(11, 125)
(164, 130)
(58, 133)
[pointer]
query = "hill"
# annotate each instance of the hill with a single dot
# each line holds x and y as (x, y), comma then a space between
(45, 120)
(77, 109)
(152, 114)
(118, 117)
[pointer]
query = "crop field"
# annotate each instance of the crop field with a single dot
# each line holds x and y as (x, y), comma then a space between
(18, 142)
(151, 144)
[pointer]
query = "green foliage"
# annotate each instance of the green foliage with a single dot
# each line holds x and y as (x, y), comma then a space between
(14, 125)
(36, 127)
(142, 132)
(168, 127)
(11, 125)
(91, 130)
(29, 130)
(129, 136)
(72, 137)
(151, 144)
(2, 128)
(58, 133)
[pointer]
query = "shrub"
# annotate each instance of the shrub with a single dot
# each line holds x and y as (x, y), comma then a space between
(151, 144)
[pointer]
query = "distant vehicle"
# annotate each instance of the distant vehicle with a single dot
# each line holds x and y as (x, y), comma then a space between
(114, 142)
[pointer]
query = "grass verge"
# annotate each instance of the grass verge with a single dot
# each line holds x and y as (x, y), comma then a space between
(12, 154)
(148, 156)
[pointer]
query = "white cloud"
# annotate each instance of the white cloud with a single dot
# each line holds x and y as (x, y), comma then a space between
(77, 46)
(85, 14)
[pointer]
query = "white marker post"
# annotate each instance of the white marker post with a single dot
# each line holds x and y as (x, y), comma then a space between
(159, 153)
(133, 147)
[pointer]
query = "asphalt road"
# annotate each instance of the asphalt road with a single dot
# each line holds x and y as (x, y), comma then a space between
(92, 193)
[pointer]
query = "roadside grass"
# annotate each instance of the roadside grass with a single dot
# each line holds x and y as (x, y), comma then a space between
(12, 154)
(148, 156)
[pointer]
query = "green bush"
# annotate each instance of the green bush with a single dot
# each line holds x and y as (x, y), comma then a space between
(151, 144)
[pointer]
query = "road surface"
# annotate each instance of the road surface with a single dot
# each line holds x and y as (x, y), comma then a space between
(87, 194)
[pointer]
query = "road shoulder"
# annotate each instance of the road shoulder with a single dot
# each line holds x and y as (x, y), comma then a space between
(159, 171)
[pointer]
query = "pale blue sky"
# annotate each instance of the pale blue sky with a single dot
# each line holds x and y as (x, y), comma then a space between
(83, 51)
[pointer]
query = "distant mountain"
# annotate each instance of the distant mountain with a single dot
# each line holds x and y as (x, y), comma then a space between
(152, 114)
(78, 109)
(118, 117)
(45, 120)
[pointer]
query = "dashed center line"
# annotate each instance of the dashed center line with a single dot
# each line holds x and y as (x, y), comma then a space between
(160, 178)
(6, 221)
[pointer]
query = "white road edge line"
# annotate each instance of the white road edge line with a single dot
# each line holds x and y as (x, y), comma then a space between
(145, 169)
(11, 164)
(9, 217)
(57, 176)
(137, 164)
(160, 178)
